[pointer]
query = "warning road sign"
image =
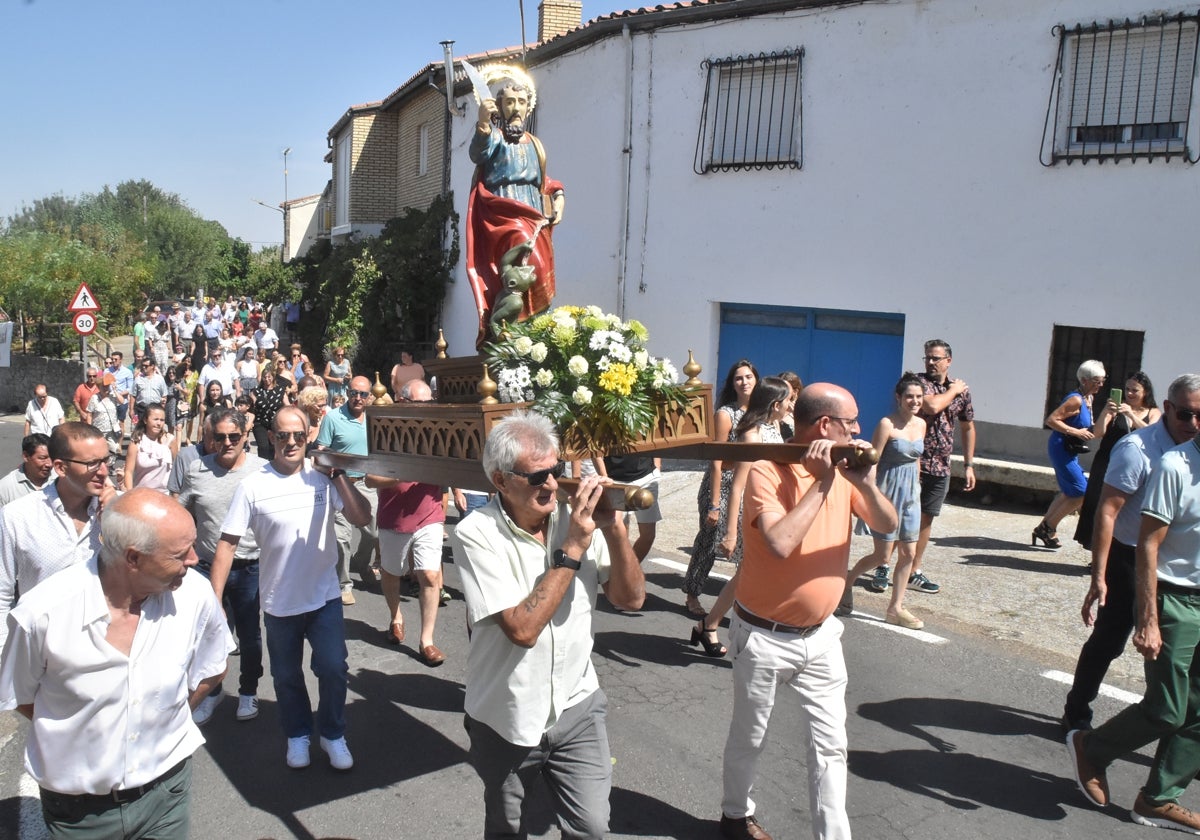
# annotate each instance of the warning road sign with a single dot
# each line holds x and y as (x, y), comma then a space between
(84, 301)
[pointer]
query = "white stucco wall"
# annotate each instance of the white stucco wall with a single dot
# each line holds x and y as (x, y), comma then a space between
(921, 193)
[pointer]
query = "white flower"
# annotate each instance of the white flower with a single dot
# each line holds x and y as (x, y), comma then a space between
(640, 359)
(581, 396)
(538, 352)
(598, 340)
(613, 320)
(521, 376)
(620, 352)
(544, 378)
(595, 311)
(577, 366)
(603, 362)
(523, 344)
(668, 370)
(562, 317)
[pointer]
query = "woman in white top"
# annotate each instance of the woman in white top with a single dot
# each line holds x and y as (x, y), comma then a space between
(152, 449)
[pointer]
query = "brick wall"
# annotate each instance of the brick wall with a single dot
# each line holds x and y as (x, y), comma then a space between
(373, 167)
(558, 16)
(426, 108)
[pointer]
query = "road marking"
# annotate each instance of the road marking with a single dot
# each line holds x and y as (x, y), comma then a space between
(32, 824)
(874, 621)
(1107, 690)
(682, 567)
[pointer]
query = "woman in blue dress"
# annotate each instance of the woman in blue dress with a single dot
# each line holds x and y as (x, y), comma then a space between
(900, 440)
(1070, 429)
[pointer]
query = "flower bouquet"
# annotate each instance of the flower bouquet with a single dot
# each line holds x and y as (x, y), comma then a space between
(588, 372)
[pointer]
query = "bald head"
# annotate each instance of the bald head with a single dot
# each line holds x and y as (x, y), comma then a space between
(825, 410)
(415, 390)
(134, 520)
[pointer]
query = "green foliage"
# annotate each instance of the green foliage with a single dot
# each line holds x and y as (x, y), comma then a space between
(371, 295)
(130, 244)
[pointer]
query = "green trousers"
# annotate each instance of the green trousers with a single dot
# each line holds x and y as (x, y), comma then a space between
(161, 814)
(1170, 711)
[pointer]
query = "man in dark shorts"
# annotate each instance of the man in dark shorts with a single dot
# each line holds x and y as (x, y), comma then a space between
(946, 400)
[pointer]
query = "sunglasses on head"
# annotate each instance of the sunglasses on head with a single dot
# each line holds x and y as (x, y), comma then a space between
(538, 478)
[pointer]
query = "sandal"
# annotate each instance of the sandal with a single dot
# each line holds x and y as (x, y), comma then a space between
(1044, 533)
(700, 637)
(694, 607)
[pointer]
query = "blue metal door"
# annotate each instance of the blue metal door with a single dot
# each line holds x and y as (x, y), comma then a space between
(861, 351)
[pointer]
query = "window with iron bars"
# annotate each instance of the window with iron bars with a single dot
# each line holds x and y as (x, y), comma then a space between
(1122, 90)
(751, 117)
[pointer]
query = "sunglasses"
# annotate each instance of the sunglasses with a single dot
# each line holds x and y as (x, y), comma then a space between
(236, 437)
(284, 437)
(538, 478)
(1185, 416)
(351, 393)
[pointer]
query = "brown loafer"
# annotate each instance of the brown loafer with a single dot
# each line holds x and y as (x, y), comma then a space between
(742, 828)
(1092, 782)
(431, 656)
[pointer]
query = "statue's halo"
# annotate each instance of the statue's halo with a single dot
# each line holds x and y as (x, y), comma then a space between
(493, 73)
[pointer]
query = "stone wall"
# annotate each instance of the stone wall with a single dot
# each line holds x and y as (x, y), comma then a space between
(60, 376)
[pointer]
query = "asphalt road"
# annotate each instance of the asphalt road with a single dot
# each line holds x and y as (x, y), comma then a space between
(953, 731)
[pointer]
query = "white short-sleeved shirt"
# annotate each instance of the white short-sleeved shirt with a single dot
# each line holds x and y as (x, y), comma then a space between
(1173, 497)
(103, 720)
(521, 692)
(43, 418)
(1129, 466)
(292, 518)
(37, 539)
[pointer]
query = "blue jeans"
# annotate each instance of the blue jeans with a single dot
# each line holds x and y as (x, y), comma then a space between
(285, 643)
(241, 605)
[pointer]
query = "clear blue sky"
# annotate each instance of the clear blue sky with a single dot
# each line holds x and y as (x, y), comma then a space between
(201, 98)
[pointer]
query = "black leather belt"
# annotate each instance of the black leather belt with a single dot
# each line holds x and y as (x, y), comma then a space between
(774, 626)
(118, 796)
(243, 562)
(1176, 589)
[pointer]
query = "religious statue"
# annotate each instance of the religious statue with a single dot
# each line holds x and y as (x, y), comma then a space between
(513, 205)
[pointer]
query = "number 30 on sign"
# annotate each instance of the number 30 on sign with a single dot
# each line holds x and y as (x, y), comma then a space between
(85, 323)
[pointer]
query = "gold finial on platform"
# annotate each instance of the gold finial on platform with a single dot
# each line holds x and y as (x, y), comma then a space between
(692, 369)
(379, 392)
(487, 388)
(441, 344)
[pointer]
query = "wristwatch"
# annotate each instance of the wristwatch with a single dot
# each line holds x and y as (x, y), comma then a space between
(562, 561)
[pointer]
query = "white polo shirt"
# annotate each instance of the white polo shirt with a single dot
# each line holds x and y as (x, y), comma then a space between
(37, 539)
(521, 692)
(103, 720)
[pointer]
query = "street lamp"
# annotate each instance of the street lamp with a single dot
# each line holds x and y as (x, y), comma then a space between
(286, 152)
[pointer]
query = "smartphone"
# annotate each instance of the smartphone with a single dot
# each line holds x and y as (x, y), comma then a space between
(1115, 395)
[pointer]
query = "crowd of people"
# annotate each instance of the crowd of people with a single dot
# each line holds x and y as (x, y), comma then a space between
(239, 498)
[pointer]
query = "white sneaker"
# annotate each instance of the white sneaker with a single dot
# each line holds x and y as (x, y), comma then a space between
(247, 707)
(338, 752)
(203, 712)
(297, 754)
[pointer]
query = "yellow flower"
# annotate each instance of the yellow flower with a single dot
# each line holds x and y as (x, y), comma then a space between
(619, 379)
(562, 335)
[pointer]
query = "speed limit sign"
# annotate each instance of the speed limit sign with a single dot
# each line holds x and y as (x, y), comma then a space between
(85, 323)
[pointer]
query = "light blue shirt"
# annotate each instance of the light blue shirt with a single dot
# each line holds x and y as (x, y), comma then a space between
(1132, 460)
(1173, 497)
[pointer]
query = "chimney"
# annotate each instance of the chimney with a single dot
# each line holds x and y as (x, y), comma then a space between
(558, 16)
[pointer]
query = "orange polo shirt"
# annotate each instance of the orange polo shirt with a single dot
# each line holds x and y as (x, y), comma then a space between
(804, 588)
